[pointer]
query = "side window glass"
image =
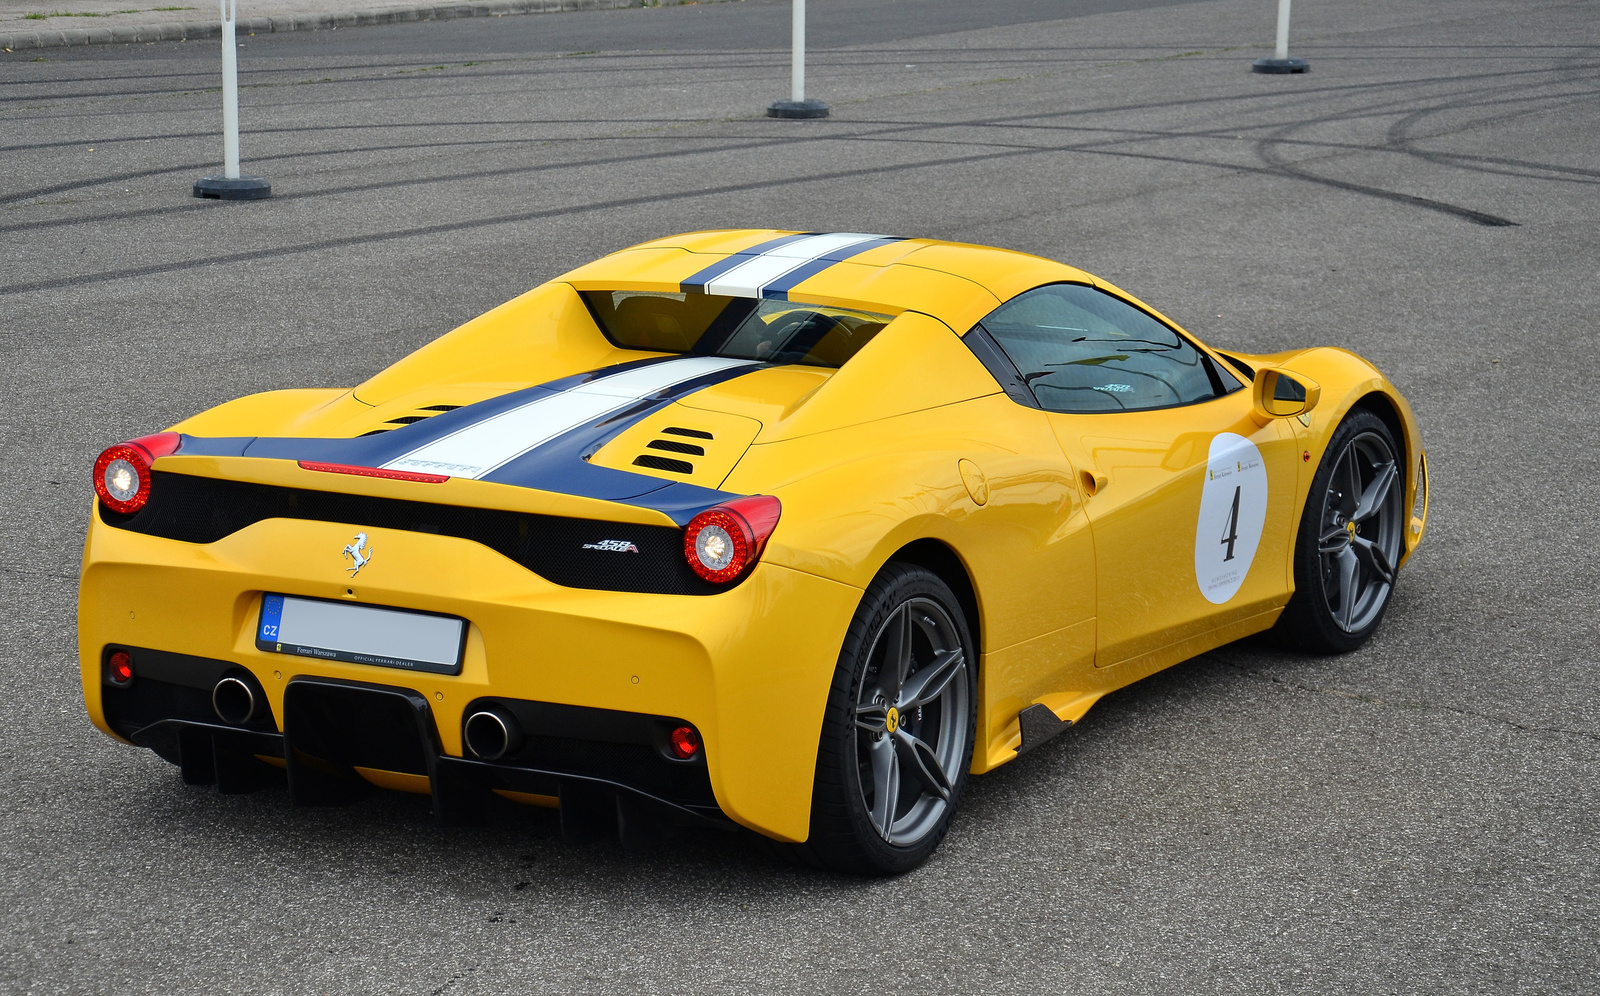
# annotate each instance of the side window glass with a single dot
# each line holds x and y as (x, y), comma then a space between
(1082, 350)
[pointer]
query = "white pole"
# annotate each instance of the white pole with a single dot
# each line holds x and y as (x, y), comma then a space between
(798, 56)
(1283, 29)
(230, 92)
(797, 106)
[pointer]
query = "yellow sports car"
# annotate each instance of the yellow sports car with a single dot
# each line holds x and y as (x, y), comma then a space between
(790, 531)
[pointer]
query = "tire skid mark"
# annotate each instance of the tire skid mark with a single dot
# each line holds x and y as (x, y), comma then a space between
(354, 126)
(657, 198)
(895, 127)
(388, 184)
(1268, 153)
(476, 223)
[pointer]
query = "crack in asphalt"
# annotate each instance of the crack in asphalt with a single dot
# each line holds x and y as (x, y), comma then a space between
(450, 983)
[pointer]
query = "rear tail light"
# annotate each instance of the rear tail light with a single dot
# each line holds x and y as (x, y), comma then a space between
(379, 472)
(723, 543)
(685, 743)
(122, 472)
(119, 668)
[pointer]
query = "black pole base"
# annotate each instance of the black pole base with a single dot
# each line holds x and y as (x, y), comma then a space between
(245, 188)
(1289, 65)
(797, 109)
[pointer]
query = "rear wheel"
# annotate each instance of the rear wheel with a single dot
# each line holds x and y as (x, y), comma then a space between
(897, 736)
(1350, 542)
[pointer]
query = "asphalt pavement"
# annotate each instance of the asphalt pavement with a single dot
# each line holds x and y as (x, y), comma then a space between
(1419, 816)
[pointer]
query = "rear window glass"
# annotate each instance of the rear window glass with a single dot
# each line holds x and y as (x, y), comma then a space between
(739, 327)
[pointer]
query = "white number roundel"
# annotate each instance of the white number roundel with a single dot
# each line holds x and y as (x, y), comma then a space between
(1233, 508)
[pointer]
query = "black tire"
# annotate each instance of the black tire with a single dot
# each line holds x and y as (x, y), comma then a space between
(845, 834)
(1317, 619)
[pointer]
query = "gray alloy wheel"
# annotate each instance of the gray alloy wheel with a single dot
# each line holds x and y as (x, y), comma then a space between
(897, 732)
(1352, 536)
(1360, 539)
(911, 727)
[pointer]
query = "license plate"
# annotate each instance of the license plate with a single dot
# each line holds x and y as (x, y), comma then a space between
(361, 634)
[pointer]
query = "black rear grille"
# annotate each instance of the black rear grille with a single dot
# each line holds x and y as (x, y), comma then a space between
(566, 551)
(624, 748)
(168, 686)
(634, 765)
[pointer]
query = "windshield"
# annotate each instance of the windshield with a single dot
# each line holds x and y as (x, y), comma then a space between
(739, 327)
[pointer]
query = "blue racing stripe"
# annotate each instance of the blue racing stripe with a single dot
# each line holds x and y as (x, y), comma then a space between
(697, 282)
(779, 289)
(559, 465)
(376, 450)
(562, 464)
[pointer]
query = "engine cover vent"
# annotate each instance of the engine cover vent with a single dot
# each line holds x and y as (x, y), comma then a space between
(663, 463)
(673, 446)
(680, 444)
(419, 415)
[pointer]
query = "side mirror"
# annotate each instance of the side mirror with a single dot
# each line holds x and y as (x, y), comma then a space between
(1277, 394)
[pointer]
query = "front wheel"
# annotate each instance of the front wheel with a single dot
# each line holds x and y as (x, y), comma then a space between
(1350, 542)
(897, 735)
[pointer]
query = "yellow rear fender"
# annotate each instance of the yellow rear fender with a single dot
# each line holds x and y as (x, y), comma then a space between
(278, 413)
(543, 335)
(983, 477)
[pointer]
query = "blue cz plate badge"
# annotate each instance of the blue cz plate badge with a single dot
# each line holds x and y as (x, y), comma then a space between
(361, 634)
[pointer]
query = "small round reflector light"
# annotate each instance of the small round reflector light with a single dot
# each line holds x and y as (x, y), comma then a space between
(119, 669)
(685, 743)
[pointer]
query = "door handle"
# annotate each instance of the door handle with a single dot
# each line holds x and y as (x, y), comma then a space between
(1093, 482)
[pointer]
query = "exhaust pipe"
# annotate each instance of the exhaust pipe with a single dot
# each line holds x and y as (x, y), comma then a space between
(491, 733)
(234, 701)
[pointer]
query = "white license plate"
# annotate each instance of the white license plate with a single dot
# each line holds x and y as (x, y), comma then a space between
(361, 634)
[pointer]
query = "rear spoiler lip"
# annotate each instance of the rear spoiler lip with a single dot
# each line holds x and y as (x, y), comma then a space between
(678, 501)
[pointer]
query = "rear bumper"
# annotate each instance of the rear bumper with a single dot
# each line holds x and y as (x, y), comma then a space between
(341, 738)
(750, 667)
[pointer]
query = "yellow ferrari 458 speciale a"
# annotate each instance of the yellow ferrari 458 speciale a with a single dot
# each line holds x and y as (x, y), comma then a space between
(785, 531)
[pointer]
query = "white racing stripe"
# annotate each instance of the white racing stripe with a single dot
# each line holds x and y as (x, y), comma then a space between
(747, 279)
(483, 447)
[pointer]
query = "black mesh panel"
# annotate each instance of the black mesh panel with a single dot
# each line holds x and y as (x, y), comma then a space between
(565, 551)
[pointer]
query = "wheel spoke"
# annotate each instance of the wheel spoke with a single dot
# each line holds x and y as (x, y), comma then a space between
(1349, 572)
(1377, 492)
(1352, 479)
(930, 683)
(885, 785)
(1333, 541)
(896, 654)
(872, 716)
(1377, 561)
(923, 763)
